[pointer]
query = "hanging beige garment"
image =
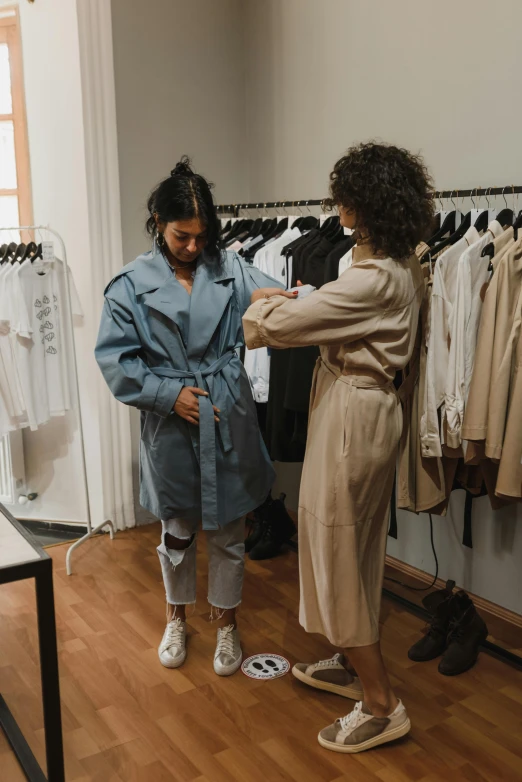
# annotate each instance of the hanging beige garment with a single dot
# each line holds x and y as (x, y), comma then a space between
(365, 323)
(486, 409)
(509, 481)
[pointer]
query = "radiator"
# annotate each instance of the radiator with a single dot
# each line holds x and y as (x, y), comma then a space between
(12, 469)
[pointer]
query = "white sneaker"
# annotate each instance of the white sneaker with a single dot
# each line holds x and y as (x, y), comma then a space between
(172, 649)
(228, 656)
(360, 730)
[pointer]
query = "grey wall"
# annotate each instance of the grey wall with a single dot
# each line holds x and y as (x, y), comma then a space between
(179, 71)
(432, 76)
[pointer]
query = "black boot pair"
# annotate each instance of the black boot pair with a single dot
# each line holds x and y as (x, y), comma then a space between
(456, 631)
(271, 529)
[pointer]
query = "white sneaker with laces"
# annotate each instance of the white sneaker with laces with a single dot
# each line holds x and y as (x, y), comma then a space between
(228, 656)
(360, 730)
(172, 649)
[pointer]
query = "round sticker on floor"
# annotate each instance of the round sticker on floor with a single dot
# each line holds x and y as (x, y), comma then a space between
(265, 666)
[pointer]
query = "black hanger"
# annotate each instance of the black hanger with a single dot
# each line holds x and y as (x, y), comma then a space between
(306, 222)
(226, 228)
(3, 248)
(505, 217)
(11, 252)
(329, 225)
(454, 237)
(20, 251)
(29, 251)
(448, 227)
(256, 228)
(482, 221)
(38, 254)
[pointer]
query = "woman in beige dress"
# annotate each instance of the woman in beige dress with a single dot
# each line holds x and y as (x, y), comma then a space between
(365, 323)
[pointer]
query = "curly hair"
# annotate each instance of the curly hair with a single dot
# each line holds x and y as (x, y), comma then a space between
(391, 193)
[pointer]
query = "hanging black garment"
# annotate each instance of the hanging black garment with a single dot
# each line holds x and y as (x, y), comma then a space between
(331, 263)
(291, 370)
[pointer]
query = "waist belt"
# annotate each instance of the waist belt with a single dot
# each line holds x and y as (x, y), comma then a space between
(204, 379)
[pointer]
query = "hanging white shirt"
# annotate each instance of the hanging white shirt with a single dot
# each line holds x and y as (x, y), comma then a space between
(41, 344)
(438, 341)
(269, 260)
(472, 274)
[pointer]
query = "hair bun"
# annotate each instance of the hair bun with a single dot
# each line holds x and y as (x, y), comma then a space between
(183, 168)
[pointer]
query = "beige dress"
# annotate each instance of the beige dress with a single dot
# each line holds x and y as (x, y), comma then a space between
(366, 323)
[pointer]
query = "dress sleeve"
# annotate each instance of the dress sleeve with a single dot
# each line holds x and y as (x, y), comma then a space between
(129, 378)
(341, 312)
(247, 279)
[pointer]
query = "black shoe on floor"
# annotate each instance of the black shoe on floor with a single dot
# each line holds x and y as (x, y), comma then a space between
(277, 529)
(435, 641)
(468, 631)
(256, 528)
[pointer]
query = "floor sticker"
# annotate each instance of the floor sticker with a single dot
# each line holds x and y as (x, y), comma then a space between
(265, 666)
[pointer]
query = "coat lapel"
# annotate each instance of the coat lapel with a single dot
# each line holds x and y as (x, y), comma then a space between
(210, 296)
(163, 293)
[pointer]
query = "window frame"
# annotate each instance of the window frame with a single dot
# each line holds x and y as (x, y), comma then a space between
(10, 34)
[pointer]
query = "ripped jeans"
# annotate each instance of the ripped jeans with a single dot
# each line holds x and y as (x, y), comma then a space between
(226, 563)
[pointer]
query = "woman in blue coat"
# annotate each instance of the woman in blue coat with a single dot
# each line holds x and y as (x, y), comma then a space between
(168, 345)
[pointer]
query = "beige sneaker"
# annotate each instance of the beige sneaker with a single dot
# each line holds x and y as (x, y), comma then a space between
(173, 647)
(330, 675)
(228, 656)
(360, 730)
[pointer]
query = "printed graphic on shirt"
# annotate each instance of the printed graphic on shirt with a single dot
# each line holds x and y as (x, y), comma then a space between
(45, 328)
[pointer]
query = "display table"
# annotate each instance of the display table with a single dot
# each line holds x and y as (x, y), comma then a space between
(21, 557)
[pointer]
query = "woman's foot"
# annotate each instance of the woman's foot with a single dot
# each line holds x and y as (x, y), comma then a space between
(360, 730)
(330, 675)
(173, 647)
(228, 656)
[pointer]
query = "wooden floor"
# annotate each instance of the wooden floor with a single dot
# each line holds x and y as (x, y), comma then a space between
(127, 719)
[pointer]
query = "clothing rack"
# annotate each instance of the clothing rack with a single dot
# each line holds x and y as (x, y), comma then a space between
(475, 192)
(91, 531)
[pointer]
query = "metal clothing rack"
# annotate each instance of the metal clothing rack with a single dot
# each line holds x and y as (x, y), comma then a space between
(475, 192)
(91, 531)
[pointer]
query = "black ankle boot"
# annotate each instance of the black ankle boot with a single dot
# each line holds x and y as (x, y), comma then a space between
(435, 641)
(256, 529)
(467, 632)
(276, 530)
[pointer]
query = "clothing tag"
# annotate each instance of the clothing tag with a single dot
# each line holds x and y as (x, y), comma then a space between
(492, 215)
(48, 251)
(348, 231)
(323, 218)
(475, 214)
(38, 265)
(303, 290)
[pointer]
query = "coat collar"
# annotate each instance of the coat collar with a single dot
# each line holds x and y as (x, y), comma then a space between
(200, 313)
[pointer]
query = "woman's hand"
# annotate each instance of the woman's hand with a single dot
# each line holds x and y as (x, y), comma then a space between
(187, 405)
(267, 293)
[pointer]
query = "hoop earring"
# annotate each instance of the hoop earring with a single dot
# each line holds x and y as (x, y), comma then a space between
(160, 240)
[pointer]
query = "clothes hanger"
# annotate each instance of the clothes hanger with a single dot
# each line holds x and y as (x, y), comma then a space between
(506, 216)
(29, 251)
(38, 254)
(448, 225)
(11, 252)
(20, 252)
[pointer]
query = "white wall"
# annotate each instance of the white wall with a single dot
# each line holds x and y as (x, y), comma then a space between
(55, 126)
(179, 71)
(435, 77)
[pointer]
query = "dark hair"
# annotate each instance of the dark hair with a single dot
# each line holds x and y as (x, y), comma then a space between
(183, 196)
(390, 191)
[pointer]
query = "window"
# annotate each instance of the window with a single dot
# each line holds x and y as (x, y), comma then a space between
(15, 192)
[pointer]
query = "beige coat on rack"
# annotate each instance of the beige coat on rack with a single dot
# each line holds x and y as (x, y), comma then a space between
(366, 324)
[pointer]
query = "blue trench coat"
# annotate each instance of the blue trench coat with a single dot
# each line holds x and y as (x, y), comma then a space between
(154, 339)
